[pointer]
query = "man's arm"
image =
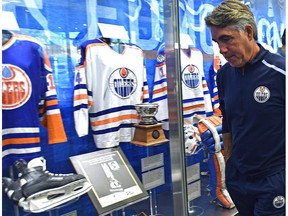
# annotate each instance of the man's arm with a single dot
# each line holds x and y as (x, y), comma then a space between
(227, 140)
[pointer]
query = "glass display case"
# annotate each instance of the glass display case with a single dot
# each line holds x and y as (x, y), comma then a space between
(170, 35)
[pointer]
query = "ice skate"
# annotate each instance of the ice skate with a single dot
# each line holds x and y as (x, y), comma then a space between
(12, 189)
(44, 190)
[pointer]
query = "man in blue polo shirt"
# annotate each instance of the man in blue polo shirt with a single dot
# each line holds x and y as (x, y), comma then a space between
(251, 87)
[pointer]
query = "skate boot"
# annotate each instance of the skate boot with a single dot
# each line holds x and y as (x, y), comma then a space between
(44, 190)
(20, 166)
(12, 189)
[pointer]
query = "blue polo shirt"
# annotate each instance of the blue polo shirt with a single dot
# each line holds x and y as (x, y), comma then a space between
(253, 107)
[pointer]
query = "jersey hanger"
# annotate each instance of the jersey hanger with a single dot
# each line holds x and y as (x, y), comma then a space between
(112, 42)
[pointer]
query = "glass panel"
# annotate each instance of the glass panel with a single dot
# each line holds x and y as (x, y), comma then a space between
(176, 174)
(62, 27)
(200, 59)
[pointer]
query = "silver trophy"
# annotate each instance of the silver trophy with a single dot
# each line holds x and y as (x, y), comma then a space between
(147, 111)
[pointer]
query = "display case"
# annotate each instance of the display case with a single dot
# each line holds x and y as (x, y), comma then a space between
(175, 176)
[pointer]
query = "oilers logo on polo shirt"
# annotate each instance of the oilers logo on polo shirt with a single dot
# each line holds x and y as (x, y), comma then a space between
(122, 82)
(261, 94)
(191, 76)
(16, 87)
(278, 201)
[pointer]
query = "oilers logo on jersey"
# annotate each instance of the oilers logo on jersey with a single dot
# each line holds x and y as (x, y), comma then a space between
(161, 58)
(16, 87)
(78, 78)
(122, 82)
(190, 76)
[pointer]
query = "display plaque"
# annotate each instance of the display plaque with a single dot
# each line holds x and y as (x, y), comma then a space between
(193, 172)
(153, 178)
(152, 162)
(194, 190)
(114, 182)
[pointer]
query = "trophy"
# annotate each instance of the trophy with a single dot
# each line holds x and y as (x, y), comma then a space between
(147, 111)
(148, 131)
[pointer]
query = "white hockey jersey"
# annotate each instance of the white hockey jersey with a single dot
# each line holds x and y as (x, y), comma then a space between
(159, 94)
(196, 96)
(28, 100)
(107, 86)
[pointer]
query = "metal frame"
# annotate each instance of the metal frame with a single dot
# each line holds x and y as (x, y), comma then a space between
(176, 135)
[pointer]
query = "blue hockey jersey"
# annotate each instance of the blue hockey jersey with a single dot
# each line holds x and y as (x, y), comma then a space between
(29, 100)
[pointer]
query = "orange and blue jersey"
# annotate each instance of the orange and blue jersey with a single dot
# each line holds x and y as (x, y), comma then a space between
(29, 100)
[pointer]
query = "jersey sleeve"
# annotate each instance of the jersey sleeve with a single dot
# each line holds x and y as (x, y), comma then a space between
(215, 66)
(207, 97)
(206, 92)
(80, 102)
(160, 91)
(145, 88)
(49, 111)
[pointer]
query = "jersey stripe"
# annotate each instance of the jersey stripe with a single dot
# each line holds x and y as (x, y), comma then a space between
(274, 67)
(13, 151)
(20, 141)
(20, 130)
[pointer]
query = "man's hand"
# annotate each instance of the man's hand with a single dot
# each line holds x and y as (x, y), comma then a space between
(227, 140)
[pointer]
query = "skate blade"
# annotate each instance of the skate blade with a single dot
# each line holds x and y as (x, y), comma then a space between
(49, 199)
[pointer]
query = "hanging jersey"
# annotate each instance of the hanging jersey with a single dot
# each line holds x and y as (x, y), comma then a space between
(159, 95)
(107, 86)
(195, 92)
(28, 99)
(216, 64)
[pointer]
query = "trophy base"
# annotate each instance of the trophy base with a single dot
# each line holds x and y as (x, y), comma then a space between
(148, 135)
(148, 122)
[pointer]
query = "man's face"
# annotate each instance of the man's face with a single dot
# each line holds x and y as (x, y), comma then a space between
(235, 46)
